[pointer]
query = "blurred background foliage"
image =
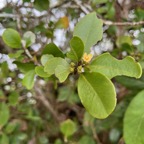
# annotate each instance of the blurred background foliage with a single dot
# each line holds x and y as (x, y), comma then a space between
(51, 113)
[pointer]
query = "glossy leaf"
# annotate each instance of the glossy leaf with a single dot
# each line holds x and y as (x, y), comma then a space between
(28, 80)
(52, 49)
(68, 128)
(40, 72)
(45, 58)
(111, 67)
(52, 64)
(77, 49)
(12, 38)
(89, 29)
(28, 38)
(97, 94)
(4, 114)
(134, 121)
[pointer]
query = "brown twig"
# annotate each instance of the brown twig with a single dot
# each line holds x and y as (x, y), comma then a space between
(123, 23)
(41, 97)
(94, 133)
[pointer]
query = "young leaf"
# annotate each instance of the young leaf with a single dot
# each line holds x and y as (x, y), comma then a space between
(68, 128)
(111, 67)
(134, 121)
(28, 80)
(40, 72)
(12, 38)
(52, 64)
(52, 49)
(89, 29)
(4, 114)
(45, 58)
(29, 38)
(97, 94)
(77, 49)
(62, 71)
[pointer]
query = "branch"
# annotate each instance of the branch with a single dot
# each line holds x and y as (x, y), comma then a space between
(123, 23)
(94, 133)
(106, 22)
(40, 96)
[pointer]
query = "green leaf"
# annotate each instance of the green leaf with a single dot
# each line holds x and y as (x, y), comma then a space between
(62, 71)
(52, 64)
(41, 6)
(131, 82)
(28, 80)
(68, 128)
(25, 67)
(111, 67)
(97, 94)
(123, 40)
(53, 50)
(89, 29)
(28, 38)
(12, 38)
(45, 58)
(10, 127)
(86, 140)
(17, 54)
(40, 72)
(4, 114)
(13, 98)
(134, 121)
(77, 49)
(4, 139)
(140, 47)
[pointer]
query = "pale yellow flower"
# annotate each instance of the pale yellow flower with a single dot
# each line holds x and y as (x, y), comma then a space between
(87, 57)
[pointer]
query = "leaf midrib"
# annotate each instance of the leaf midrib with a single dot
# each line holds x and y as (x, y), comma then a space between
(95, 93)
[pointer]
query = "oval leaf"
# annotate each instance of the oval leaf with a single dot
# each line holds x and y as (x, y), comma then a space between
(4, 114)
(89, 29)
(68, 128)
(97, 94)
(29, 38)
(62, 72)
(51, 65)
(40, 72)
(45, 58)
(77, 49)
(111, 67)
(134, 121)
(53, 50)
(12, 38)
(28, 80)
